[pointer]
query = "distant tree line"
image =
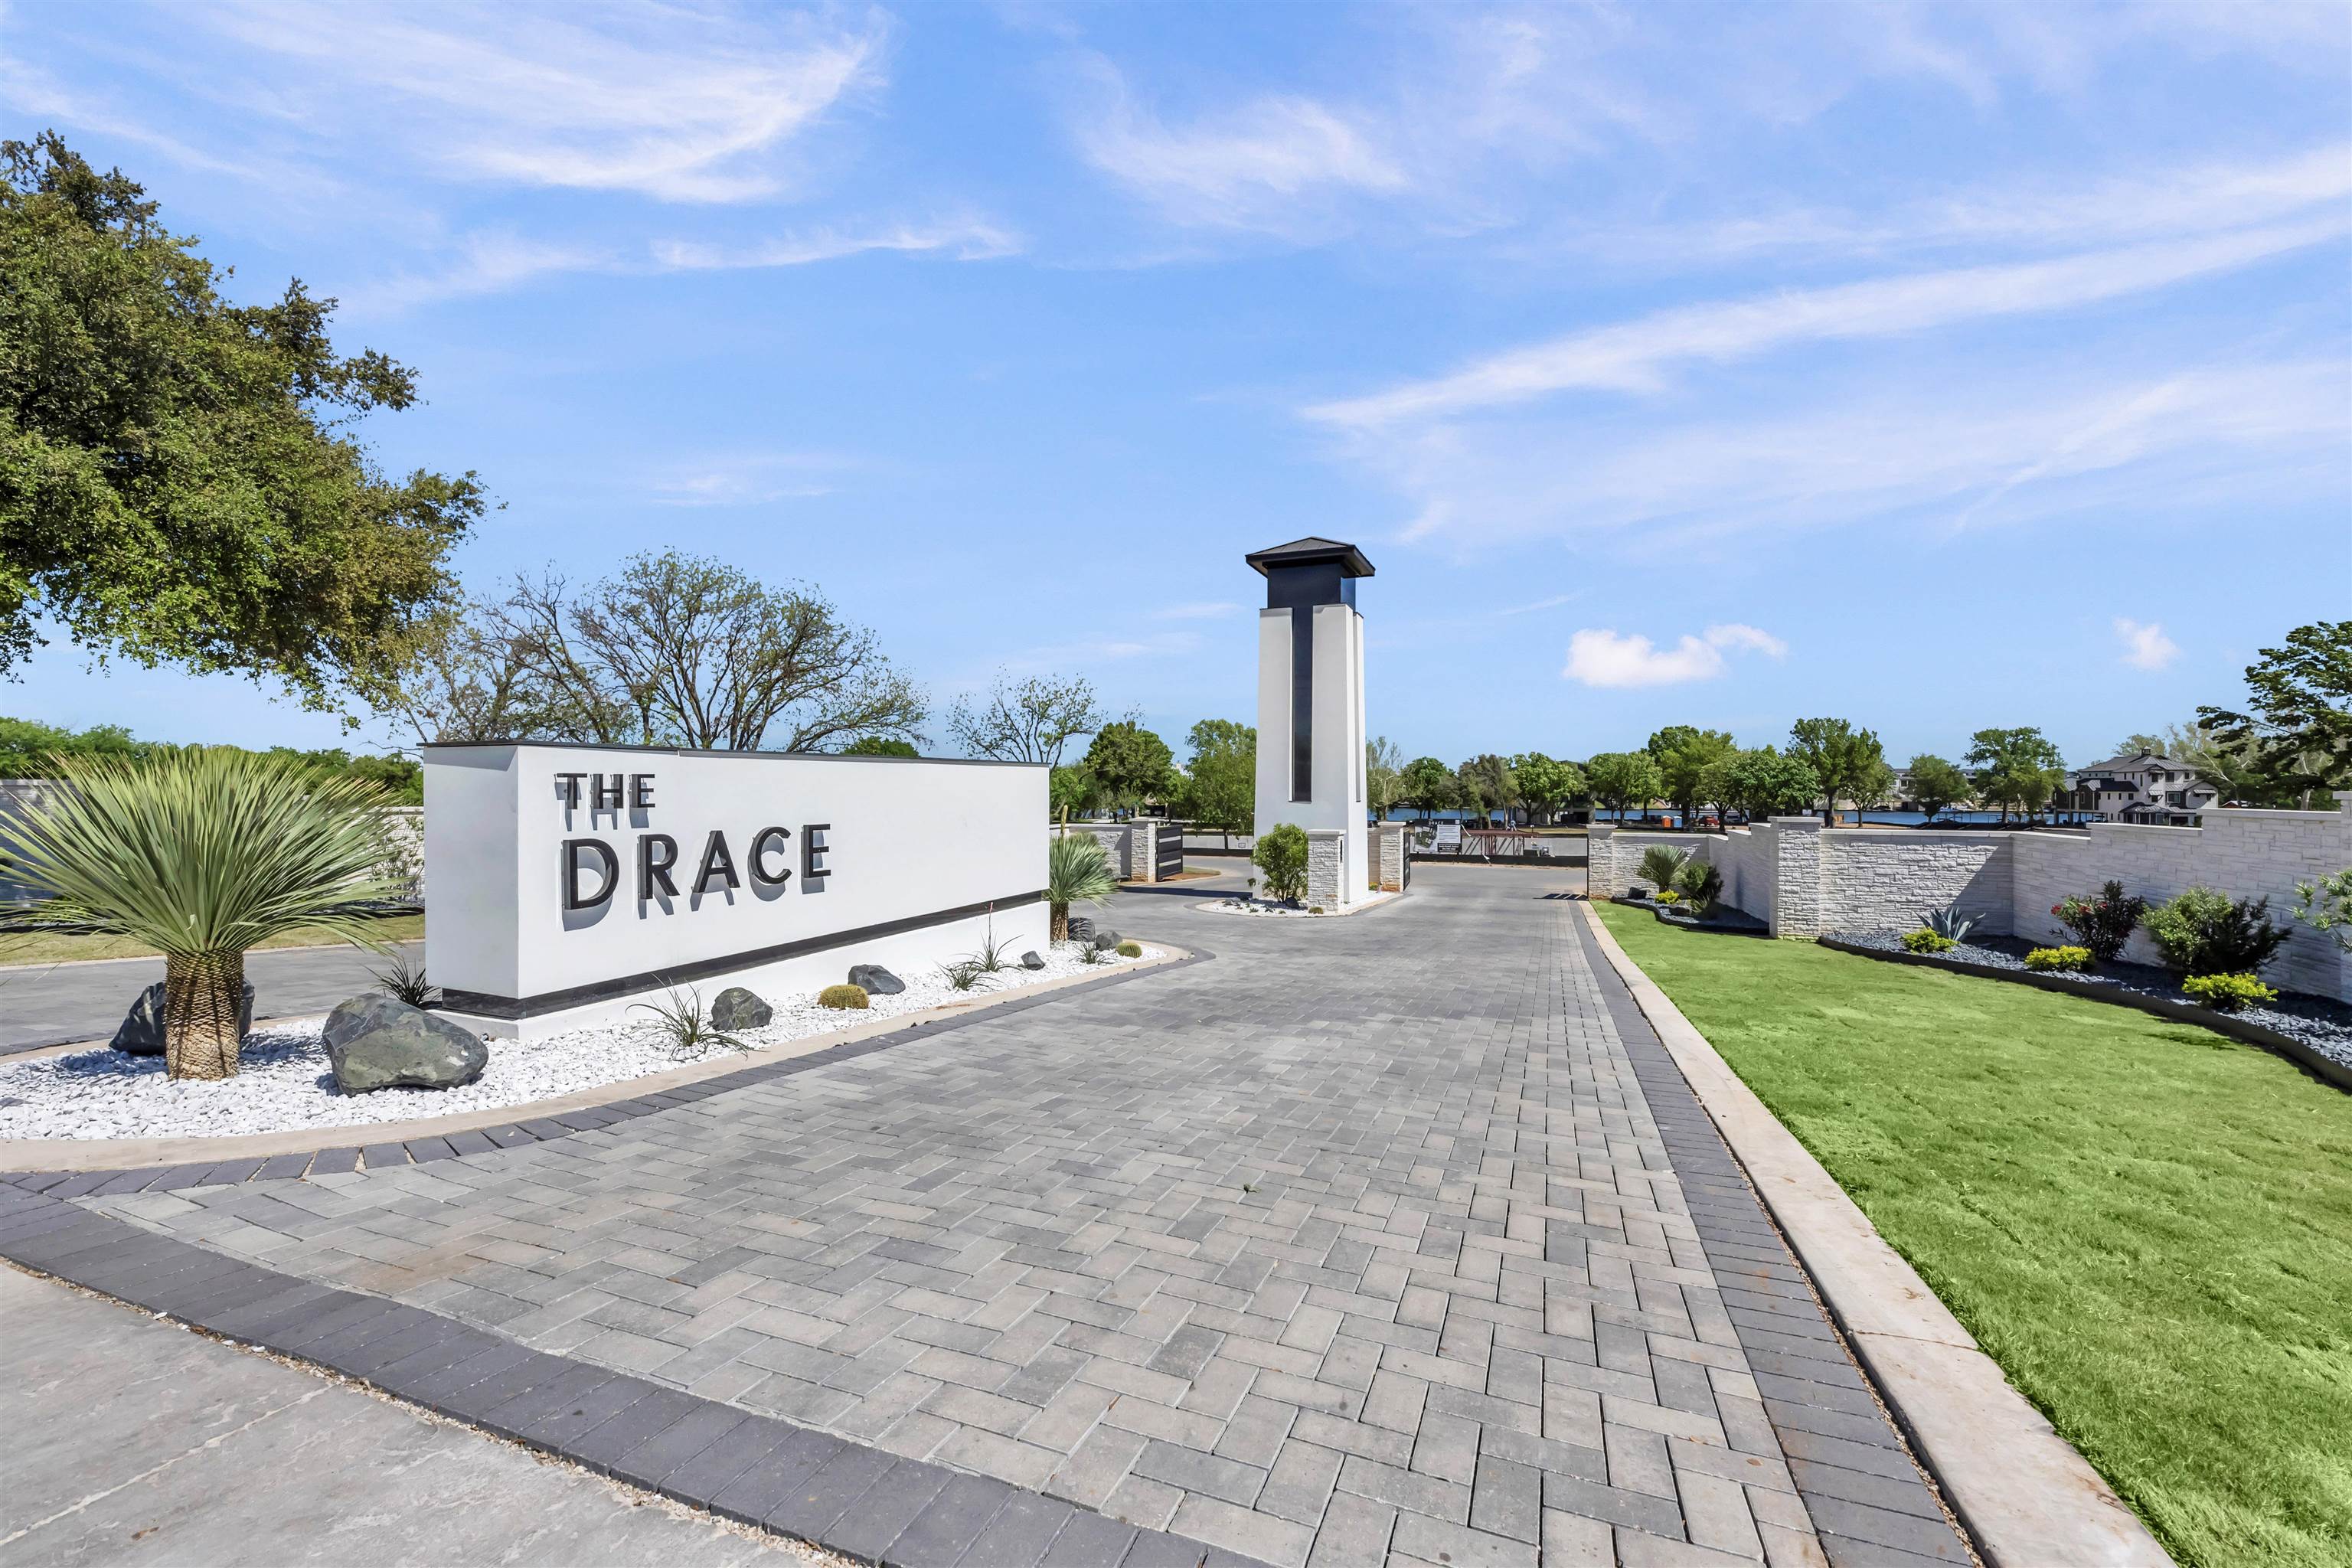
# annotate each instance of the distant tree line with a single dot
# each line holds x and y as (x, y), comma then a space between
(30, 750)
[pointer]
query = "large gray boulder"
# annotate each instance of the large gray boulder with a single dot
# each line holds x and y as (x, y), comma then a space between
(874, 980)
(739, 1009)
(1030, 961)
(377, 1041)
(142, 1034)
(1107, 940)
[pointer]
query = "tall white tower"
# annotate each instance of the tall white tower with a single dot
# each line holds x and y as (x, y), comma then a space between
(1310, 711)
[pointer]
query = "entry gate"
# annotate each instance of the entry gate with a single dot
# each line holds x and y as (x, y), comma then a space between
(1168, 853)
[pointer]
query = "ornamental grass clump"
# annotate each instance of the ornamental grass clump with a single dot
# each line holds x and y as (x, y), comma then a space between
(2227, 992)
(2058, 960)
(1078, 871)
(2204, 932)
(685, 1024)
(202, 854)
(850, 997)
(2102, 923)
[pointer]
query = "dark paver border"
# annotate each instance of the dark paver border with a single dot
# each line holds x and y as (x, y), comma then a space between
(381, 1154)
(1870, 1499)
(792, 1482)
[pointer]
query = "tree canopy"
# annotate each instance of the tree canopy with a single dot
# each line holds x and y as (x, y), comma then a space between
(879, 746)
(672, 649)
(1936, 784)
(1220, 779)
(1687, 759)
(180, 482)
(2017, 767)
(1765, 782)
(1429, 785)
(2295, 734)
(1028, 720)
(31, 750)
(1849, 762)
(1624, 781)
(1383, 775)
(1487, 784)
(1130, 763)
(1545, 783)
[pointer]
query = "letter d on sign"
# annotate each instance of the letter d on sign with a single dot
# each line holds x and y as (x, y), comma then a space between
(602, 852)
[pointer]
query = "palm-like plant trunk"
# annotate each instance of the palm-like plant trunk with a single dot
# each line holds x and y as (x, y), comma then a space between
(202, 994)
(1059, 929)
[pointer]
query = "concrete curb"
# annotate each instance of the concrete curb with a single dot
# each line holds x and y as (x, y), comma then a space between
(2026, 1497)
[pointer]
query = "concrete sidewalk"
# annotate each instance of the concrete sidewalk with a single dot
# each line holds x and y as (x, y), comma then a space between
(136, 1441)
(49, 1004)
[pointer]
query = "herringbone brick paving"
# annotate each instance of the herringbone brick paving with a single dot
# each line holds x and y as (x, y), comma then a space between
(1358, 1244)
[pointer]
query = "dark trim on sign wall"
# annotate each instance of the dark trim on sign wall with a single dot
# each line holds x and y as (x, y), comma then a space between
(694, 752)
(515, 1007)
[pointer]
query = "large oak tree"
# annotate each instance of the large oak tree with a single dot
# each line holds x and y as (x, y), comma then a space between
(180, 480)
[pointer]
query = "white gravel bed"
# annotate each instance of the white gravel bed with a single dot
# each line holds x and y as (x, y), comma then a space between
(284, 1080)
(1271, 908)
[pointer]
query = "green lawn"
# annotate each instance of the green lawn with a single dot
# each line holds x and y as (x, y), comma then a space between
(52, 947)
(2148, 1225)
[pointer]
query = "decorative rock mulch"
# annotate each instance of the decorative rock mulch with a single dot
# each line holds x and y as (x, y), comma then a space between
(287, 1081)
(2324, 1024)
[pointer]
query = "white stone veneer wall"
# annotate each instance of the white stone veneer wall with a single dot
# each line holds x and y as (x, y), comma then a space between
(1323, 866)
(1803, 880)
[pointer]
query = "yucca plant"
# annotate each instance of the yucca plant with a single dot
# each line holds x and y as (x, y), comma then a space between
(1078, 871)
(1661, 863)
(201, 854)
(685, 1024)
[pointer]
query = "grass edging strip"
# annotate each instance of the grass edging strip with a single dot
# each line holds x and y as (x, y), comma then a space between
(2320, 1066)
(2025, 1494)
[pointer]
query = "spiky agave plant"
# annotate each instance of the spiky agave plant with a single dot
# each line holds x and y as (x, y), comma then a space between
(202, 854)
(1078, 871)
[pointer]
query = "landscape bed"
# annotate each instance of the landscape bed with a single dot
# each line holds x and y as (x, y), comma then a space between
(285, 1082)
(2148, 1225)
(2302, 1026)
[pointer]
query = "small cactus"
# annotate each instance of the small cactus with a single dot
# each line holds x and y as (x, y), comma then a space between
(850, 997)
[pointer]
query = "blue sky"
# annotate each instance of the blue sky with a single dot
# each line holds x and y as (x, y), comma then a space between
(1936, 368)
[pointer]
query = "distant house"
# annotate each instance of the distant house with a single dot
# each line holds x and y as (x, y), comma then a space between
(2150, 789)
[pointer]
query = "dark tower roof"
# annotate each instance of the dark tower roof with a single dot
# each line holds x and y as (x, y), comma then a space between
(1312, 552)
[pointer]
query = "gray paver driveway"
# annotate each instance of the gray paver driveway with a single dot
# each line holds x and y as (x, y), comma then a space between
(1359, 1242)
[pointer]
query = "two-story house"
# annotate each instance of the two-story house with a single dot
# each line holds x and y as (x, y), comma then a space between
(2152, 789)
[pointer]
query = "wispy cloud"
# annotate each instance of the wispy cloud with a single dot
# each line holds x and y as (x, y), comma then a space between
(1607, 659)
(1634, 356)
(744, 479)
(966, 239)
(1947, 452)
(679, 106)
(2145, 645)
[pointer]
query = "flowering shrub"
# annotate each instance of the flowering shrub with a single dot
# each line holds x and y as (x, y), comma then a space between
(1926, 941)
(2059, 960)
(2102, 923)
(2227, 992)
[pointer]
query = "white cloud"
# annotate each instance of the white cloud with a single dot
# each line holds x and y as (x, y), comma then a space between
(1206, 610)
(1961, 450)
(1247, 167)
(967, 239)
(1607, 659)
(681, 105)
(483, 264)
(1634, 356)
(744, 479)
(2145, 645)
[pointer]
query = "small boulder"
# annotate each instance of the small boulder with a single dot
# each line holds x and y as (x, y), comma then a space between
(874, 980)
(1030, 961)
(737, 1008)
(380, 1042)
(142, 1034)
(1081, 929)
(1107, 940)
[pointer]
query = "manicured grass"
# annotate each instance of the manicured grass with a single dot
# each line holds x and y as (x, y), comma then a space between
(2148, 1225)
(49, 947)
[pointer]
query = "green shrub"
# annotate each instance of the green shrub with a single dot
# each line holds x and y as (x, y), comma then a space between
(1661, 863)
(1314, 908)
(1669, 897)
(1926, 941)
(851, 997)
(1699, 882)
(2227, 992)
(1282, 856)
(2059, 960)
(1130, 950)
(2102, 924)
(2203, 932)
